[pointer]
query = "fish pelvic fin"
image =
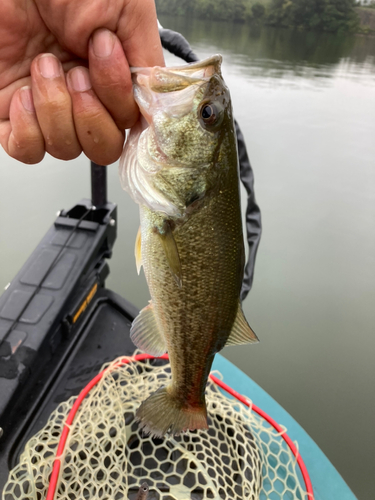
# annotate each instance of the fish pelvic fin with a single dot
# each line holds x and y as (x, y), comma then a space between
(138, 252)
(164, 413)
(145, 333)
(241, 332)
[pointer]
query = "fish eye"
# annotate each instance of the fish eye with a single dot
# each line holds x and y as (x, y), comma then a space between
(211, 114)
(208, 113)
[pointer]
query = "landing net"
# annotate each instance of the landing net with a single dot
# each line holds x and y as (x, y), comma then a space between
(105, 456)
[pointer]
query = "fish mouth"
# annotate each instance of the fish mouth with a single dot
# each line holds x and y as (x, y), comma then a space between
(171, 79)
(172, 89)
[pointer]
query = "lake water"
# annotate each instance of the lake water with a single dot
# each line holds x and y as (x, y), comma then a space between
(306, 105)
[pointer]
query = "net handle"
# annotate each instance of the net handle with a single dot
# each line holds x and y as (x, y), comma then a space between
(141, 357)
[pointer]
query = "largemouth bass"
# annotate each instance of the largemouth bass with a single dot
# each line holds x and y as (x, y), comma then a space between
(181, 167)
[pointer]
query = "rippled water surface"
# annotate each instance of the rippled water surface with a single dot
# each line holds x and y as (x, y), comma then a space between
(306, 105)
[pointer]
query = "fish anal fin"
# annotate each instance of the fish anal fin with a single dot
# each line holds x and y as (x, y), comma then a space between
(137, 251)
(241, 332)
(171, 252)
(145, 333)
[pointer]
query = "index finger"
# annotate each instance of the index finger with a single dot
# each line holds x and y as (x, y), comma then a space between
(111, 79)
(137, 44)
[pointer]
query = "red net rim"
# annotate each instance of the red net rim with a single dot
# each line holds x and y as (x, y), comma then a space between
(140, 357)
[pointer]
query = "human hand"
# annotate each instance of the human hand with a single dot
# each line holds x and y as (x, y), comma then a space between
(65, 83)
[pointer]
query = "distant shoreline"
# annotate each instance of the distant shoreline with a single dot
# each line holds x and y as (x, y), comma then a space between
(367, 19)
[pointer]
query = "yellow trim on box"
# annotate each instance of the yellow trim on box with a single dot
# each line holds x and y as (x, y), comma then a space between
(85, 303)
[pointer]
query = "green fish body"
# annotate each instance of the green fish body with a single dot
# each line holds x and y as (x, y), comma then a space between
(183, 171)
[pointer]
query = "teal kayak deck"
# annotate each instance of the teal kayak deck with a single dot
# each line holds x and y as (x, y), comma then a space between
(326, 481)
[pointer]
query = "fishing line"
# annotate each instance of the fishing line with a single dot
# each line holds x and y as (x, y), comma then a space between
(50, 268)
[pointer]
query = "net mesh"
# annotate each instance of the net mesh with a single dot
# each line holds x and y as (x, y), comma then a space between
(106, 457)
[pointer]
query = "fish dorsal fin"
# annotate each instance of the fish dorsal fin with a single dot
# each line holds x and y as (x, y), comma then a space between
(241, 332)
(171, 252)
(145, 333)
(137, 251)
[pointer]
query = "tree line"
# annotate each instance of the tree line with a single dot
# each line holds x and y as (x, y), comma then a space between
(322, 15)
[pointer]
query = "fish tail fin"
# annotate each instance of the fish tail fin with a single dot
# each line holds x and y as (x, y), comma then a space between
(163, 412)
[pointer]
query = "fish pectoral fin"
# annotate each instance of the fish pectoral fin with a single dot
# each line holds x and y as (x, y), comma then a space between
(171, 252)
(241, 332)
(145, 333)
(137, 251)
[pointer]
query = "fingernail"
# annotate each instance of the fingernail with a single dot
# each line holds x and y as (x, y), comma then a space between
(103, 42)
(49, 66)
(80, 79)
(27, 99)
